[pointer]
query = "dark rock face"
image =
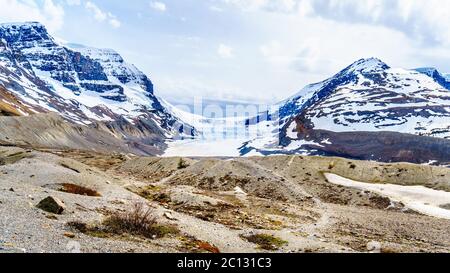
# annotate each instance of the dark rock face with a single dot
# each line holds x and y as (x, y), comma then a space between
(381, 146)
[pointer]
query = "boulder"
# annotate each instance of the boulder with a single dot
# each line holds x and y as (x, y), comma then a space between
(374, 247)
(52, 205)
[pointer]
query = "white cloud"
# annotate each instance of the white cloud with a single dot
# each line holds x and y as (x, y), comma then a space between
(159, 6)
(216, 9)
(99, 15)
(305, 56)
(272, 51)
(268, 5)
(102, 16)
(73, 2)
(114, 22)
(225, 51)
(46, 12)
(425, 21)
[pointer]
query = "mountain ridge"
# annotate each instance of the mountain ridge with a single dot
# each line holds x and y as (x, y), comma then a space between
(367, 98)
(86, 86)
(439, 77)
(372, 84)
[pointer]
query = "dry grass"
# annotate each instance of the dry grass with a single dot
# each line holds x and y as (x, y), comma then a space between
(13, 158)
(97, 160)
(152, 193)
(191, 244)
(207, 247)
(266, 241)
(138, 221)
(80, 190)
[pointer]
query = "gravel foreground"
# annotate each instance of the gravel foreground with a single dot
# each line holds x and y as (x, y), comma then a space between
(273, 204)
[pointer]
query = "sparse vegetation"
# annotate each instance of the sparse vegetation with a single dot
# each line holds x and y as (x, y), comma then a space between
(152, 193)
(64, 165)
(139, 221)
(80, 190)
(161, 198)
(191, 244)
(78, 226)
(266, 241)
(99, 160)
(13, 158)
(182, 164)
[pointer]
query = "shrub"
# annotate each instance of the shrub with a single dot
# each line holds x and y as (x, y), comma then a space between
(79, 226)
(138, 221)
(182, 164)
(266, 241)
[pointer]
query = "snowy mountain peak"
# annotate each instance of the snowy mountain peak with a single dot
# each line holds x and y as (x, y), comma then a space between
(369, 96)
(25, 33)
(78, 82)
(364, 72)
(368, 65)
(22, 25)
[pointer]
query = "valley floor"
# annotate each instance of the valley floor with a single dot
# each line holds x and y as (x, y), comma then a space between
(255, 204)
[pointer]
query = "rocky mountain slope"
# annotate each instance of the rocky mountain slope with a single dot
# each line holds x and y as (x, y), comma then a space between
(86, 86)
(371, 96)
(368, 98)
(440, 78)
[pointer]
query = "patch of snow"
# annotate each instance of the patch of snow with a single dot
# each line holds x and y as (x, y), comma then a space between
(239, 191)
(297, 144)
(421, 199)
(292, 130)
(431, 162)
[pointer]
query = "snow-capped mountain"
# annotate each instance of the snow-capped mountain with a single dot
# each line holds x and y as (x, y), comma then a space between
(371, 96)
(367, 96)
(84, 85)
(442, 79)
(374, 97)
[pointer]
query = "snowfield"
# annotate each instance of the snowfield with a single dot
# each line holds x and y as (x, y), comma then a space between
(204, 148)
(421, 199)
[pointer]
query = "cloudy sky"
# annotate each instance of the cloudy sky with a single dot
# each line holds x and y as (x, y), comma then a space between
(258, 50)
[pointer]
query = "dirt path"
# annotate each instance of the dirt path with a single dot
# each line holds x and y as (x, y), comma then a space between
(295, 188)
(323, 221)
